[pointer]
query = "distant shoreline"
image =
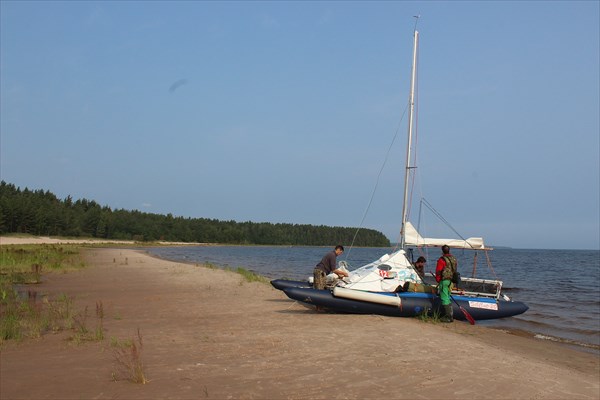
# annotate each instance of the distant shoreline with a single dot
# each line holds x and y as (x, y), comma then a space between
(28, 239)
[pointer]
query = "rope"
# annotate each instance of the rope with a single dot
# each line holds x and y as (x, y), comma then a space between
(489, 262)
(387, 155)
(385, 162)
(437, 214)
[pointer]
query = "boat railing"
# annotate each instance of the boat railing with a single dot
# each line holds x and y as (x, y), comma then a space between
(479, 287)
(476, 287)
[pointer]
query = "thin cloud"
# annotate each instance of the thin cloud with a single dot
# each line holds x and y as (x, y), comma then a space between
(176, 85)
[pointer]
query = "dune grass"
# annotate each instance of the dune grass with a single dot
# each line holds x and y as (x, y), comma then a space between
(249, 276)
(24, 312)
(128, 359)
(24, 264)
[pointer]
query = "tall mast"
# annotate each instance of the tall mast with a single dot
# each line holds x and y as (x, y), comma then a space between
(411, 110)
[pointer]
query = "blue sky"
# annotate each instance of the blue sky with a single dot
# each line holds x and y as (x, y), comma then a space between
(284, 111)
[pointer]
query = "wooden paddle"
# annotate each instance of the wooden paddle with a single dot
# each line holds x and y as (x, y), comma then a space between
(465, 312)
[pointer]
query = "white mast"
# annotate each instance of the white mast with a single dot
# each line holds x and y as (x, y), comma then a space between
(411, 101)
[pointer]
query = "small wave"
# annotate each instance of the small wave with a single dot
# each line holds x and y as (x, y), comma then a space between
(566, 341)
(542, 318)
(587, 332)
(588, 301)
(535, 324)
(588, 319)
(571, 323)
(536, 304)
(569, 306)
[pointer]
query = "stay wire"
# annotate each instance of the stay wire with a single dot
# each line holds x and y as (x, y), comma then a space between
(383, 166)
(387, 155)
(437, 214)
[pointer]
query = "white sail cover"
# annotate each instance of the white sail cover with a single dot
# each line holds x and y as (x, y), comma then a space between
(412, 238)
(384, 274)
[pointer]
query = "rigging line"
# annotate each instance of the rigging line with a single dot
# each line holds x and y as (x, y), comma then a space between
(489, 263)
(387, 155)
(423, 250)
(382, 167)
(437, 214)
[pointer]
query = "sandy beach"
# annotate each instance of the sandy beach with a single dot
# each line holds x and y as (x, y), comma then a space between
(209, 334)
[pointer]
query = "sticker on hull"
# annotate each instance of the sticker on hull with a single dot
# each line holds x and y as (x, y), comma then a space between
(481, 304)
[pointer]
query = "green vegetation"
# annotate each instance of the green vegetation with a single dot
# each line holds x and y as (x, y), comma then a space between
(40, 212)
(23, 315)
(24, 264)
(83, 332)
(128, 359)
(430, 316)
(250, 276)
(26, 313)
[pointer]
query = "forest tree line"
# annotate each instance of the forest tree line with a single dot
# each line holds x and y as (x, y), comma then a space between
(41, 213)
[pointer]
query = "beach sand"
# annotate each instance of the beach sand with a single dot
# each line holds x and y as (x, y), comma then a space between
(209, 334)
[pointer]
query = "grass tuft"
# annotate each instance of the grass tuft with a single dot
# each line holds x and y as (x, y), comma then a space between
(23, 316)
(22, 313)
(128, 359)
(430, 316)
(250, 276)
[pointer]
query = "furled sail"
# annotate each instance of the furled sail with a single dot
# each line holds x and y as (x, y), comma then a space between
(413, 238)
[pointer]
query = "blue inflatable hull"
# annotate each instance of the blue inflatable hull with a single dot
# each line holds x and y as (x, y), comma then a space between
(281, 284)
(411, 304)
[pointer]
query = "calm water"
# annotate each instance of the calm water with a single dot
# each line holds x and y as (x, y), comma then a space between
(561, 287)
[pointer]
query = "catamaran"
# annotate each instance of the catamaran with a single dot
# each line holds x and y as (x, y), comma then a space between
(391, 286)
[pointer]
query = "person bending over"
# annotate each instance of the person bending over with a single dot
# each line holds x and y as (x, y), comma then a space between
(326, 266)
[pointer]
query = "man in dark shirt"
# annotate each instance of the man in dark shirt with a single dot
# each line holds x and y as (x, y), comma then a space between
(327, 265)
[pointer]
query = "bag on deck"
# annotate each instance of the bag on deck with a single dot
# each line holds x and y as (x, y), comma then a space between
(420, 288)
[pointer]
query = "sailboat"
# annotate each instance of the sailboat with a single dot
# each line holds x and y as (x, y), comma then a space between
(391, 286)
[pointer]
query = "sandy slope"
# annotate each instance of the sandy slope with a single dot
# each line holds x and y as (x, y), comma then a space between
(209, 334)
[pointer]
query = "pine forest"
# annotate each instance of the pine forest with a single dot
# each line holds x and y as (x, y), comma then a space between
(41, 213)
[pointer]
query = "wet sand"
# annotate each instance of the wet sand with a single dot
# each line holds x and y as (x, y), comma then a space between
(209, 334)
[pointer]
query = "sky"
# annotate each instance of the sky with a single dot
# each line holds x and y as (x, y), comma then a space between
(294, 112)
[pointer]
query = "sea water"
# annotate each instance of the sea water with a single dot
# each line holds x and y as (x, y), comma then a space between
(561, 287)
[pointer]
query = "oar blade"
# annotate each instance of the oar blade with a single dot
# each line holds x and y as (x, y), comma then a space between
(467, 316)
